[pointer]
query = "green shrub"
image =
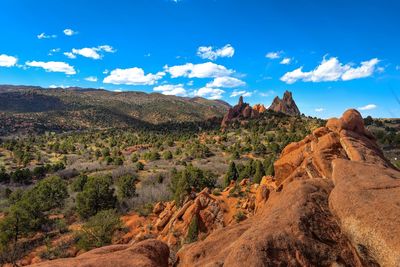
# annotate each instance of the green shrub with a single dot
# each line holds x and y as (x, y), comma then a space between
(98, 230)
(96, 195)
(126, 186)
(193, 230)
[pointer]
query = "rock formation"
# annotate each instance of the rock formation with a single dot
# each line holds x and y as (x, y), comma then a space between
(241, 111)
(285, 105)
(335, 203)
(148, 253)
(260, 108)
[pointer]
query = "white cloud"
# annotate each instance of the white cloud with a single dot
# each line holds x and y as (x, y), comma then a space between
(53, 86)
(286, 61)
(45, 36)
(69, 32)
(331, 70)
(171, 89)
(366, 69)
(69, 55)
(93, 52)
(208, 52)
(7, 61)
(274, 55)
(132, 76)
(106, 71)
(210, 93)
(203, 70)
(91, 79)
(86, 52)
(52, 66)
(54, 50)
(368, 107)
(226, 82)
(319, 109)
(241, 93)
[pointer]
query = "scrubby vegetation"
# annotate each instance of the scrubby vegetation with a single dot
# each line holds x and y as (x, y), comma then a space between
(52, 183)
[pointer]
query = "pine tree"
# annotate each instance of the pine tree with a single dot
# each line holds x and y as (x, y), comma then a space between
(232, 173)
(259, 173)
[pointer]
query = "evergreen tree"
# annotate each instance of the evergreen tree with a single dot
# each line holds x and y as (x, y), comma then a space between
(232, 174)
(259, 172)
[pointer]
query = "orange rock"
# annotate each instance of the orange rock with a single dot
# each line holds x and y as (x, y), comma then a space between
(148, 253)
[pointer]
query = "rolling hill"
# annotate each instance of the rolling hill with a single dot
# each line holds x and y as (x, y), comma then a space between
(34, 109)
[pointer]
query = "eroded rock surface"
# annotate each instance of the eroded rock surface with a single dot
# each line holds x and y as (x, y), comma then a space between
(335, 201)
(148, 253)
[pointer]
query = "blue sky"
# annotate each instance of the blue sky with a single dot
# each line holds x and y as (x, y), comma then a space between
(332, 55)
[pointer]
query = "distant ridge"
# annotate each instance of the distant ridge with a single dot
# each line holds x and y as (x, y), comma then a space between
(33, 109)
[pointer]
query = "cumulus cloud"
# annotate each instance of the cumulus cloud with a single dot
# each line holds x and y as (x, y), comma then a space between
(171, 89)
(319, 109)
(226, 82)
(69, 32)
(52, 66)
(92, 52)
(210, 93)
(286, 61)
(91, 79)
(368, 107)
(132, 76)
(45, 36)
(208, 52)
(7, 61)
(241, 93)
(203, 70)
(274, 55)
(332, 70)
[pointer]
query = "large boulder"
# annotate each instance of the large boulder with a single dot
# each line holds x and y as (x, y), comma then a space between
(148, 253)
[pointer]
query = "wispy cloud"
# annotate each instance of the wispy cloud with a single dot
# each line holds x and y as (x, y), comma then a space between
(52, 66)
(274, 55)
(92, 52)
(241, 93)
(91, 79)
(332, 70)
(208, 52)
(368, 107)
(319, 109)
(286, 61)
(46, 36)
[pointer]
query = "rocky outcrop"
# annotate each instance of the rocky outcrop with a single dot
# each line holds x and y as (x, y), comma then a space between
(170, 223)
(148, 253)
(240, 112)
(260, 108)
(285, 105)
(334, 201)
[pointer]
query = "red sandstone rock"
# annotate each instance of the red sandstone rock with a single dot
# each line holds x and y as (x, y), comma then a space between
(285, 105)
(148, 253)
